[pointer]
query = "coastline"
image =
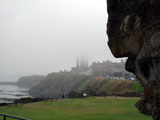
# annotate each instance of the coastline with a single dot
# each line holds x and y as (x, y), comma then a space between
(10, 93)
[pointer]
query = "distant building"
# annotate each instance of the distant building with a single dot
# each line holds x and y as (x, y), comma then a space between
(110, 70)
(101, 69)
(107, 69)
(82, 66)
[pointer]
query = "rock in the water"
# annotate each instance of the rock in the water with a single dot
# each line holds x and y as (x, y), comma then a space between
(134, 31)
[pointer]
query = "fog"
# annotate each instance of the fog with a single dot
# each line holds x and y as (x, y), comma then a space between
(44, 36)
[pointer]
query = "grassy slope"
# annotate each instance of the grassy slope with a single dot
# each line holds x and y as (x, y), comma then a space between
(55, 84)
(95, 82)
(99, 108)
(102, 84)
(118, 86)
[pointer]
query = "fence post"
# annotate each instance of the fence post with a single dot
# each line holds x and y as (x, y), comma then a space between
(4, 117)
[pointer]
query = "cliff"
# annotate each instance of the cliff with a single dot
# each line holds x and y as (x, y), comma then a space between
(29, 81)
(55, 84)
(100, 86)
(133, 31)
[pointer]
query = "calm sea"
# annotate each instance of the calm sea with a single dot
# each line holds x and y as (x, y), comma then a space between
(8, 93)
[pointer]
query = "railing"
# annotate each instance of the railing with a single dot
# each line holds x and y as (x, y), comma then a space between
(5, 116)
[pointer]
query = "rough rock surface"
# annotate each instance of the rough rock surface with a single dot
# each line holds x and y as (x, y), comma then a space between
(134, 31)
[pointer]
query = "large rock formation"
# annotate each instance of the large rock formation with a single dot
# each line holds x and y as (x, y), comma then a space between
(55, 85)
(30, 81)
(134, 31)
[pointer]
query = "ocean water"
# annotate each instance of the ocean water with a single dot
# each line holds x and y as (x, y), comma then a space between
(8, 93)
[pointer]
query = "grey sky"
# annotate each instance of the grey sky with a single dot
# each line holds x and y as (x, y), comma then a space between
(42, 36)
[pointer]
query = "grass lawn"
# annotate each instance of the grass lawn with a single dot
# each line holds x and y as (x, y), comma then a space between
(138, 87)
(100, 108)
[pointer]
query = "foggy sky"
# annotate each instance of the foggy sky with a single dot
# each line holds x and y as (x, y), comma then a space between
(43, 36)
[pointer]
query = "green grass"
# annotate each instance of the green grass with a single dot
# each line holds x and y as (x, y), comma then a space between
(138, 87)
(100, 108)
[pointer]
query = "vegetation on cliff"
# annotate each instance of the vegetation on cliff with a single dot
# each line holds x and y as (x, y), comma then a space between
(103, 86)
(55, 84)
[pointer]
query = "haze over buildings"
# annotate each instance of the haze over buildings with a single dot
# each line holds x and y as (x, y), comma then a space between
(108, 69)
(43, 36)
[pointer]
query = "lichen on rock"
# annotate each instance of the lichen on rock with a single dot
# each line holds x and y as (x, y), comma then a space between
(133, 30)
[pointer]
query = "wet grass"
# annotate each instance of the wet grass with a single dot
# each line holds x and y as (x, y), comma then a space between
(100, 108)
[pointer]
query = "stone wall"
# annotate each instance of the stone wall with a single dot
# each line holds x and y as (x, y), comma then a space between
(133, 30)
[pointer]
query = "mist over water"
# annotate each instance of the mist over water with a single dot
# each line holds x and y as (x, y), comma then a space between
(44, 36)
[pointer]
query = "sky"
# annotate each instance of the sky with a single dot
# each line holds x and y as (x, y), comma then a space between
(44, 36)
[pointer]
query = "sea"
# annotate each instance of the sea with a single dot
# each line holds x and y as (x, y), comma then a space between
(8, 93)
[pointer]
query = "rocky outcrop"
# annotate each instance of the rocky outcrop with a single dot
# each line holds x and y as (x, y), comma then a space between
(30, 81)
(55, 85)
(134, 31)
